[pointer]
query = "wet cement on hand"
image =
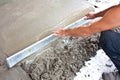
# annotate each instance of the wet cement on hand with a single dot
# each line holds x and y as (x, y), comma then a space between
(62, 61)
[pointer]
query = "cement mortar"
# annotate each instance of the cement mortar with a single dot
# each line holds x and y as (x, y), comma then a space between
(62, 61)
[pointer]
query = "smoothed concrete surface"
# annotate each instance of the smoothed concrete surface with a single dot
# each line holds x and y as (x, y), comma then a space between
(16, 73)
(24, 22)
(2, 2)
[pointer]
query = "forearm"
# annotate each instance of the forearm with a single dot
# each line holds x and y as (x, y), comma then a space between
(88, 30)
(101, 14)
(99, 26)
(96, 27)
(80, 32)
(109, 21)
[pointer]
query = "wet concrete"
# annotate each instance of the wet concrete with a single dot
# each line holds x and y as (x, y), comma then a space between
(24, 22)
(2, 2)
(16, 73)
(63, 60)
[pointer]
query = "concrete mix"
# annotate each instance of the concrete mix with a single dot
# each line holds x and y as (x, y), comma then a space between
(62, 61)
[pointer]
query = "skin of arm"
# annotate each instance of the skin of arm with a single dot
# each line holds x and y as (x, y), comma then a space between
(111, 19)
(101, 14)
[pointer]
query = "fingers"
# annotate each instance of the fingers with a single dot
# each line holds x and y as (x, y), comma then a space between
(90, 16)
(59, 32)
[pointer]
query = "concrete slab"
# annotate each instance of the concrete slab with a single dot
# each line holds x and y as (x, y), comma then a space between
(2, 2)
(15, 73)
(3, 66)
(24, 22)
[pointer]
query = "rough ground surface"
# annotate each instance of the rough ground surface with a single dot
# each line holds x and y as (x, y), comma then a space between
(61, 62)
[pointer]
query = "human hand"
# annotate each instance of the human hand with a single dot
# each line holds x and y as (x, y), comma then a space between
(90, 16)
(61, 32)
(75, 32)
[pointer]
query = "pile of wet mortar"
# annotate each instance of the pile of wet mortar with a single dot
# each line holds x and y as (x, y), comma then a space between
(62, 61)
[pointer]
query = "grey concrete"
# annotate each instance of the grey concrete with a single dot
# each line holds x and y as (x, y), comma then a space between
(61, 61)
(24, 22)
(2, 2)
(3, 65)
(15, 73)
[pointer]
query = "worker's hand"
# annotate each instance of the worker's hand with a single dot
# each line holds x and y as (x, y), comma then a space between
(75, 32)
(90, 16)
(61, 32)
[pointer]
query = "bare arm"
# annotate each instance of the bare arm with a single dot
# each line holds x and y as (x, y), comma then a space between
(101, 14)
(111, 19)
